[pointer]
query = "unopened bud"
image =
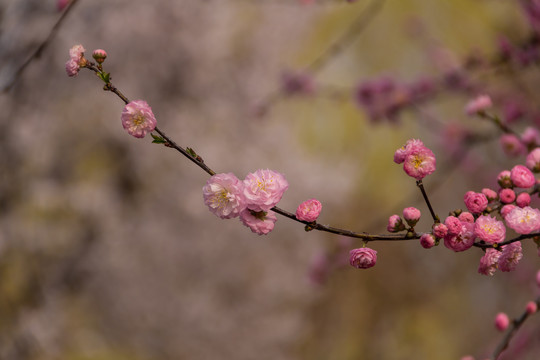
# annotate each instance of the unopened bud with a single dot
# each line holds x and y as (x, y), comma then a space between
(99, 55)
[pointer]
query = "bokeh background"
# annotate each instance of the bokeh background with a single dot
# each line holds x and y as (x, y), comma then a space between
(108, 252)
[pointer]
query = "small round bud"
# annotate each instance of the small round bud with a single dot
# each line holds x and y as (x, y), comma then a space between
(309, 210)
(531, 307)
(395, 224)
(507, 196)
(504, 179)
(501, 321)
(491, 195)
(411, 215)
(99, 55)
(427, 241)
(523, 199)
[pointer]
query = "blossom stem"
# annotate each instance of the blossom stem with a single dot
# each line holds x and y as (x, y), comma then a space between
(513, 328)
(424, 194)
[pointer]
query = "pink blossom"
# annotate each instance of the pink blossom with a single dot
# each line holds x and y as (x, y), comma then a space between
(489, 262)
(99, 55)
(77, 53)
(531, 307)
(511, 145)
(61, 4)
(263, 189)
(530, 137)
(453, 224)
(402, 152)
(224, 195)
(309, 210)
(462, 241)
(523, 220)
(491, 195)
(411, 215)
(363, 258)
(427, 240)
(506, 210)
(138, 118)
(522, 177)
(395, 224)
(479, 104)
(475, 202)
(507, 196)
(489, 229)
(510, 256)
(261, 222)
(440, 230)
(72, 67)
(466, 217)
(533, 160)
(419, 163)
(523, 199)
(501, 321)
(504, 179)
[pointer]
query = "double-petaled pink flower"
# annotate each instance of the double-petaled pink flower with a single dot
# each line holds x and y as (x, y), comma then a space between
(489, 229)
(489, 262)
(475, 202)
(263, 189)
(309, 210)
(418, 161)
(260, 222)
(76, 60)
(510, 256)
(522, 177)
(138, 118)
(224, 195)
(523, 220)
(463, 240)
(363, 258)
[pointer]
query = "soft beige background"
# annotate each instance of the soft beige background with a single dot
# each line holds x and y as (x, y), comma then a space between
(107, 250)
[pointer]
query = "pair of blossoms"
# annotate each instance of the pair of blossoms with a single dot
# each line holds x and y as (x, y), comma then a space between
(460, 232)
(137, 116)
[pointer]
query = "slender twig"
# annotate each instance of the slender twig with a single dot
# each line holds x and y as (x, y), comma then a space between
(39, 50)
(424, 194)
(513, 328)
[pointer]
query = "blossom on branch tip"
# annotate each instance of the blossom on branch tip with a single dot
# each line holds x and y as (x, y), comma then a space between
(309, 210)
(501, 321)
(402, 152)
(479, 104)
(489, 229)
(489, 262)
(523, 220)
(260, 222)
(138, 118)
(76, 60)
(510, 256)
(475, 202)
(419, 163)
(224, 195)
(522, 177)
(77, 52)
(263, 189)
(363, 258)
(511, 145)
(99, 55)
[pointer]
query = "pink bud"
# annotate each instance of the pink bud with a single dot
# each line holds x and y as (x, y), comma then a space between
(99, 55)
(501, 321)
(523, 199)
(411, 215)
(440, 230)
(466, 217)
(507, 196)
(531, 307)
(504, 179)
(491, 195)
(395, 224)
(522, 177)
(363, 258)
(309, 210)
(427, 240)
(480, 104)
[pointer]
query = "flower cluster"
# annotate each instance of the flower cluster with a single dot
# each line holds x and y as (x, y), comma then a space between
(418, 161)
(251, 199)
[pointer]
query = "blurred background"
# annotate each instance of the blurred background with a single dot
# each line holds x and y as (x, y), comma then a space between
(107, 250)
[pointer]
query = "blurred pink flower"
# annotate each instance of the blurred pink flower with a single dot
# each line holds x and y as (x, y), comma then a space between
(489, 229)
(138, 118)
(530, 137)
(479, 104)
(523, 220)
(309, 210)
(522, 177)
(363, 258)
(533, 160)
(261, 222)
(224, 195)
(475, 202)
(512, 145)
(263, 189)
(489, 262)
(531, 307)
(501, 321)
(510, 256)
(72, 67)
